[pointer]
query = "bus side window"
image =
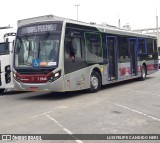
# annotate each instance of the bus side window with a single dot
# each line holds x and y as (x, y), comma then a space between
(141, 46)
(73, 48)
(123, 50)
(77, 45)
(150, 46)
(93, 46)
(155, 46)
(68, 45)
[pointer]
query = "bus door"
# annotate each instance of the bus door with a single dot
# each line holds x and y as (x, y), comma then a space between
(133, 55)
(111, 54)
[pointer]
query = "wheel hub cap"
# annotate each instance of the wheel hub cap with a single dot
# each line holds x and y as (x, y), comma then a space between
(94, 82)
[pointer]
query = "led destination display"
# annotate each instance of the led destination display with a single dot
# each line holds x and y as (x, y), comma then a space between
(48, 27)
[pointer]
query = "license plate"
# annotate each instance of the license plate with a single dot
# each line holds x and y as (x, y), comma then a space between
(33, 88)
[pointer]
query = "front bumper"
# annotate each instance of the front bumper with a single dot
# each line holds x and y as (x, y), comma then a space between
(56, 86)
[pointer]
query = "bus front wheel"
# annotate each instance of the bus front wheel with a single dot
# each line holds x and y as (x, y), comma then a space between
(95, 82)
(143, 73)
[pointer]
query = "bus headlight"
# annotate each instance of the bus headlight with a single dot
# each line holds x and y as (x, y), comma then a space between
(55, 76)
(16, 77)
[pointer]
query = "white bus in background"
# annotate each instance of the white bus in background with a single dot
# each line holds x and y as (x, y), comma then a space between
(6, 58)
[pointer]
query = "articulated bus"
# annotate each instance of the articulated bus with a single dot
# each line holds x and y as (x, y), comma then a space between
(59, 54)
(7, 38)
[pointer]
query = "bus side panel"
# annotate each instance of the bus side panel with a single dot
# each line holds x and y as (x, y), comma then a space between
(80, 79)
(139, 67)
(151, 62)
(124, 71)
(147, 54)
(77, 80)
(152, 66)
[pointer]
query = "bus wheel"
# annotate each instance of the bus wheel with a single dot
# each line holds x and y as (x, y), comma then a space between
(95, 82)
(143, 73)
(2, 90)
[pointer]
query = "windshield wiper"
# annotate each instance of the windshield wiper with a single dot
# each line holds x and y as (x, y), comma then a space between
(39, 49)
(29, 50)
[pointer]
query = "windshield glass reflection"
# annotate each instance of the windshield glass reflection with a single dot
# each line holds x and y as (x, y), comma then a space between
(37, 50)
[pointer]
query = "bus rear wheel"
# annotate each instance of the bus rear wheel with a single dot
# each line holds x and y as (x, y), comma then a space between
(143, 73)
(95, 82)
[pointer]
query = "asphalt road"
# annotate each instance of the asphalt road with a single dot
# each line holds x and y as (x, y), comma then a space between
(131, 107)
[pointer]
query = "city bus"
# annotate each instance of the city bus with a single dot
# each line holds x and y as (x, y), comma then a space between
(59, 54)
(7, 38)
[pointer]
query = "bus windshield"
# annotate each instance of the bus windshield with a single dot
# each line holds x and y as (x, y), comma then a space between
(37, 50)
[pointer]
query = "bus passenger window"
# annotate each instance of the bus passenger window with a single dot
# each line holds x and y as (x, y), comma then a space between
(73, 48)
(77, 45)
(141, 46)
(150, 46)
(67, 50)
(155, 46)
(123, 50)
(93, 46)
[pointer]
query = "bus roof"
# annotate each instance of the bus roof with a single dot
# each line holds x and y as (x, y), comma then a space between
(101, 28)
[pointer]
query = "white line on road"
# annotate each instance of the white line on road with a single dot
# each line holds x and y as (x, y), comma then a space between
(55, 121)
(151, 117)
(42, 114)
(63, 128)
(146, 93)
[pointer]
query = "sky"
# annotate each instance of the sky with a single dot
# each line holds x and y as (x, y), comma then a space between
(138, 13)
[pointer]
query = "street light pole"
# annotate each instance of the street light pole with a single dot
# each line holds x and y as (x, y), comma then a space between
(77, 5)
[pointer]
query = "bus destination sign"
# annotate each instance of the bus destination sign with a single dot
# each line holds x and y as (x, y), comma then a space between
(54, 27)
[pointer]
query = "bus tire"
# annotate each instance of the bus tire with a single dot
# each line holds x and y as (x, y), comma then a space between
(2, 90)
(95, 82)
(143, 73)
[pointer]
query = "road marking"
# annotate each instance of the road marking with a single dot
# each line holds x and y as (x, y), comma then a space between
(146, 93)
(149, 116)
(60, 125)
(42, 114)
(63, 128)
